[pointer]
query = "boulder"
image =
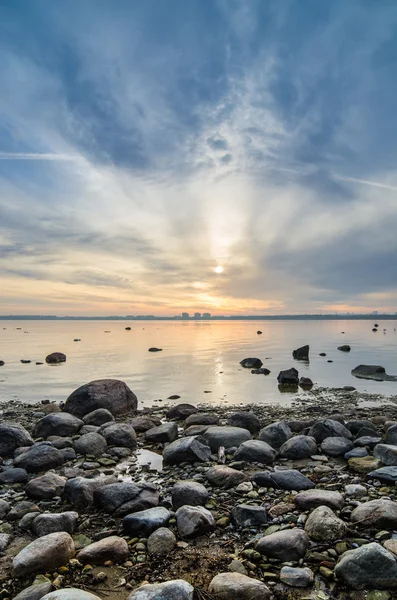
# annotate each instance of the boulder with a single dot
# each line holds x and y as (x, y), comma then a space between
(255, 451)
(181, 412)
(386, 453)
(112, 394)
(13, 436)
(313, 498)
(45, 487)
(305, 383)
(344, 348)
(375, 372)
(336, 446)
(251, 363)
(20, 509)
(325, 428)
(323, 526)
(227, 437)
(289, 376)
(176, 589)
(61, 424)
(245, 420)
(112, 548)
(187, 449)
(367, 441)
(44, 554)
(381, 514)
(236, 586)
(161, 542)
(167, 432)
(297, 577)
(287, 545)
(288, 479)
(244, 515)
(79, 491)
(275, 434)
(91, 443)
(301, 353)
(384, 474)
(355, 426)
(98, 417)
(51, 523)
(201, 418)
(142, 523)
(123, 498)
(193, 521)
(119, 434)
(225, 477)
(55, 358)
(14, 476)
(369, 567)
(142, 424)
(40, 457)
(189, 492)
(299, 446)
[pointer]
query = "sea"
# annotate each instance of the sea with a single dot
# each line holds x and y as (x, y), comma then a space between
(199, 360)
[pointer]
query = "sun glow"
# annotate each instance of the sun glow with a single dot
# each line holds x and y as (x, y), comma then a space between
(218, 269)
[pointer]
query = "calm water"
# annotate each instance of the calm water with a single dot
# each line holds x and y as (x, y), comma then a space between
(197, 357)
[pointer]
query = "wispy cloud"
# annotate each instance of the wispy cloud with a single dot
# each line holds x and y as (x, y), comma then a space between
(36, 156)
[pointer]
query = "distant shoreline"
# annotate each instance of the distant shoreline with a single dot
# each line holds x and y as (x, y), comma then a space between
(329, 317)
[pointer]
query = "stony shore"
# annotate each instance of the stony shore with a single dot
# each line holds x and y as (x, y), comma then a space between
(239, 502)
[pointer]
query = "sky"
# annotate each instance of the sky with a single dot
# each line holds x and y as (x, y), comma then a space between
(226, 156)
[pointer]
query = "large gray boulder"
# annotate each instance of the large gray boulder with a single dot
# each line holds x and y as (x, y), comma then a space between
(62, 424)
(323, 525)
(227, 437)
(255, 451)
(245, 420)
(44, 554)
(112, 548)
(51, 523)
(46, 486)
(144, 522)
(236, 586)
(176, 589)
(288, 545)
(245, 515)
(40, 457)
(13, 436)
(376, 513)
(188, 492)
(325, 428)
(193, 521)
(187, 449)
(288, 479)
(112, 394)
(369, 567)
(123, 498)
(275, 434)
(299, 446)
(225, 477)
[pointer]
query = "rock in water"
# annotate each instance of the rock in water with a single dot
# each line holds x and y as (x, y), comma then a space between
(236, 586)
(375, 372)
(176, 589)
(288, 376)
(369, 567)
(55, 357)
(46, 553)
(112, 394)
(251, 363)
(13, 436)
(344, 348)
(301, 353)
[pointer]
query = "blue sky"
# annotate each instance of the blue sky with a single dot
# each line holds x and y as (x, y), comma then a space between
(144, 143)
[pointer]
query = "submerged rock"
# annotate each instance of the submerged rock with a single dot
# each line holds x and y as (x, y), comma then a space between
(375, 372)
(301, 353)
(289, 376)
(251, 363)
(55, 357)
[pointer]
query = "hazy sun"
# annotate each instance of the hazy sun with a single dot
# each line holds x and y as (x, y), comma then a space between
(218, 269)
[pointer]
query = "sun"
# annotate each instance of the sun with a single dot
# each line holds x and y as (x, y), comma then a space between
(218, 269)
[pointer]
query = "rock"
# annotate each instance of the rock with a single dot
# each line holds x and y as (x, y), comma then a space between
(391, 435)
(391, 546)
(275, 434)
(46, 553)
(225, 477)
(367, 441)
(35, 591)
(46, 486)
(51, 523)
(5, 539)
(344, 348)
(356, 453)
(384, 474)
(91, 443)
(188, 449)
(255, 451)
(14, 476)
(386, 453)
(301, 353)
(227, 437)
(40, 457)
(189, 492)
(244, 515)
(245, 420)
(325, 428)
(296, 577)
(195, 430)
(70, 594)
(323, 526)
(176, 589)
(98, 417)
(20, 509)
(180, 411)
(167, 432)
(367, 567)
(288, 376)
(79, 491)
(13, 436)
(161, 542)
(287, 545)
(364, 464)
(300, 446)
(121, 499)
(62, 424)
(356, 425)
(376, 513)
(142, 424)
(4, 508)
(356, 490)
(119, 434)
(313, 498)
(288, 479)
(202, 419)
(112, 394)
(336, 446)
(193, 521)
(144, 522)
(375, 372)
(154, 349)
(251, 363)
(112, 548)
(305, 383)
(55, 357)
(261, 371)
(236, 586)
